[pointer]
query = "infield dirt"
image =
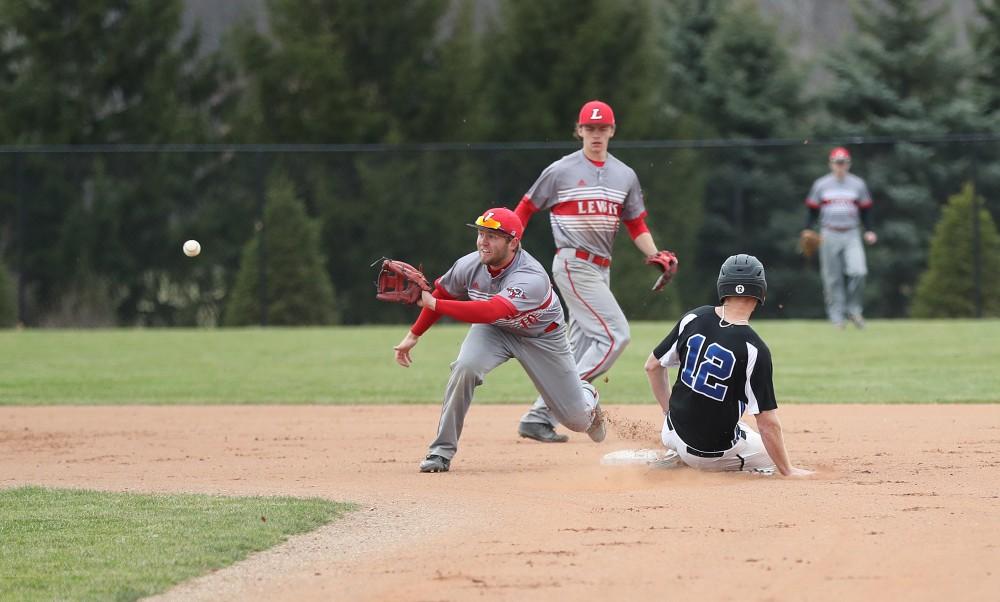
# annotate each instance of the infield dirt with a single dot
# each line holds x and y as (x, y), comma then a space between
(906, 503)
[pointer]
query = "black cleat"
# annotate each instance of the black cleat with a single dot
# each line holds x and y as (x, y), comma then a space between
(435, 463)
(545, 433)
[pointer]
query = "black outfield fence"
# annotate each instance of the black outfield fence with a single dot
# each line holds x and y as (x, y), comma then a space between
(92, 235)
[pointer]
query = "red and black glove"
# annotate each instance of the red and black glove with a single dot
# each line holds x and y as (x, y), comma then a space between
(666, 261)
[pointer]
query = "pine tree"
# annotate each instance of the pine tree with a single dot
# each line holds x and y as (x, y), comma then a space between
(8, 302)
(947, 288)
(985, 39)
(376, 72)
(298, 290)
(900, 75)
(103, 72)
(543, 60)
(689, 27)
(731, 70)
(353, 72)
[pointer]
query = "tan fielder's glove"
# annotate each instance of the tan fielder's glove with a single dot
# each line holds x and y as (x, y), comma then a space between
(809, 241)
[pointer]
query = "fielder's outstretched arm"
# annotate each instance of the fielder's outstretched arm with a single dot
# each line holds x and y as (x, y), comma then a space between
(425, 320)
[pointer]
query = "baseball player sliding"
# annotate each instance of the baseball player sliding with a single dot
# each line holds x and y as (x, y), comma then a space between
(589, 193)
(724, 369)
(507, 296)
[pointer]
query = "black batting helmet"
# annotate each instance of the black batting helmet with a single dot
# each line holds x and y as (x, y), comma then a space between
(742, 276)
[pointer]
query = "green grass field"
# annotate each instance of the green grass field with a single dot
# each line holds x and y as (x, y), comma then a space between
(63, 544)
(889, 362)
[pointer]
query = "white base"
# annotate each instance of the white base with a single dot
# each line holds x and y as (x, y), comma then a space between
(650, 458)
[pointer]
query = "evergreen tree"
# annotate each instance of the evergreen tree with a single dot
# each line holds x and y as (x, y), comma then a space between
(353, 72)
(543, 60)
(947, 288)
(8, 301)
(732, 72)
(900, 75)
(298, 290)
(689, 27)
(985, 39)
(95, 73)
(377, 72)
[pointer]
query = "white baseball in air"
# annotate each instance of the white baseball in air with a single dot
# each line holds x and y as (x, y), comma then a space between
(192, 248)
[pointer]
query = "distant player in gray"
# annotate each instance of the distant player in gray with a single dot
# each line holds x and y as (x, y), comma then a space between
(588, 193)
(842, 204)
(507, 296)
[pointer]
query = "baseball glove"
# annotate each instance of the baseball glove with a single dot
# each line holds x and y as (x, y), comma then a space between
(400, 282)
(809, 241)
(666, 261)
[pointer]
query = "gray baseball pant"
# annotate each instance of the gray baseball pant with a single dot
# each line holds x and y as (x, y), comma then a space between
(843, 267)
(547, 360)
(598, 329)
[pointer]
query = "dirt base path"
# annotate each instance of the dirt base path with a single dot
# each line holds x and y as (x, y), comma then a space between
(906, 505)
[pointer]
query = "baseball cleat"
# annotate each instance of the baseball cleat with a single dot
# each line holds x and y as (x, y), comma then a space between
(598, 428)
(857, 320)
(545, 433)
(435, 463)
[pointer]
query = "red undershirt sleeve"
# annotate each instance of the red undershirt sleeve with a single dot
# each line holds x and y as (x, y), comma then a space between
(477, 312)
(524, 210)
(637, 226)
(427, 318)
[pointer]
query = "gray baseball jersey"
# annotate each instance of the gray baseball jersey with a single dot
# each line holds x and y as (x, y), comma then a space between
(838, 201)
(524, 283)
(587, 202)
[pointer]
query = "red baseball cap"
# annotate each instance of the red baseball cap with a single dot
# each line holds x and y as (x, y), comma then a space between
(596, 112)
(500, 219)
(840, 154)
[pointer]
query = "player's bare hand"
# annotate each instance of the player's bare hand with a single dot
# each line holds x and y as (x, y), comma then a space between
(427, 300)
(870, 237)
(403, 349)
(798, 473)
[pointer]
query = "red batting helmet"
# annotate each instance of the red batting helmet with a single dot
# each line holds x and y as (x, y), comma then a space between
(596, 112)
(839, 155)
(500, 219)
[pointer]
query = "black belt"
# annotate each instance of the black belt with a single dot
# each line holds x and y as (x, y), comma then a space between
(705, 454)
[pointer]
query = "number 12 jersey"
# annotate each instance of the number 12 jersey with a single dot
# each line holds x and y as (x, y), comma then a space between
(725, 369)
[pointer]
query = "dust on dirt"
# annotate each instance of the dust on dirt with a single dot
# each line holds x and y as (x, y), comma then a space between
(633, 429)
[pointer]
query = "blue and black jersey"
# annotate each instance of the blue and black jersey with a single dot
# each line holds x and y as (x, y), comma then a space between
(725, 369)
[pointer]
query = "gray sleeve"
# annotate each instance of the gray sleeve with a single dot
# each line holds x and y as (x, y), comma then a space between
(544, 192)
(635, 205)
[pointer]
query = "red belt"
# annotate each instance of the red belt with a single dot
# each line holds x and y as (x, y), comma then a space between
(839, 229)
(597, 259)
